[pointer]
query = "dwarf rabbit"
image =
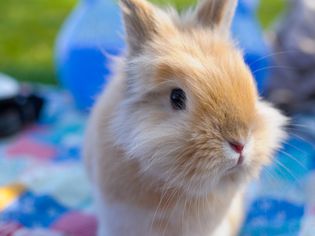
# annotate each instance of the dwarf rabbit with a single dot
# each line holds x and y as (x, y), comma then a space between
(181, 129)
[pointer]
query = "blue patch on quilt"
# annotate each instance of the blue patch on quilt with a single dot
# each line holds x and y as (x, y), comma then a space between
(273, 217)
(33, 210)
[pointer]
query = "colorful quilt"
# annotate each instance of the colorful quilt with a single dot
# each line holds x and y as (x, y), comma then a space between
(44, 190)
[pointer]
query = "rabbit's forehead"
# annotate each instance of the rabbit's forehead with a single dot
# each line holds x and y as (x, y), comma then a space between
(216, 81)
(207, 73)
(199, 59)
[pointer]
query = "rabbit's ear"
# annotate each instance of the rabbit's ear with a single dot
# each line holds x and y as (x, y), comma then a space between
(140, 22)
(216, 13)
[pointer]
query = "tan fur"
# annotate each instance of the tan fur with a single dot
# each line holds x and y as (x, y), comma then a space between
(157, 171)
(216, 13)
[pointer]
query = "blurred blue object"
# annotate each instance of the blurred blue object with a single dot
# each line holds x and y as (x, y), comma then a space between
(91, 33)
(248, 33)
(94, 30)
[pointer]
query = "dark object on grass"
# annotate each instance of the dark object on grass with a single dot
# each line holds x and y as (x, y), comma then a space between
(18, 106)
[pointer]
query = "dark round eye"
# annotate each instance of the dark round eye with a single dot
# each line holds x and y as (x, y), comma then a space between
(178, 99)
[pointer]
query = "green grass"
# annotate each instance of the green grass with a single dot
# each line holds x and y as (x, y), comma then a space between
(27, 32)
(269, 10)
(28, 29)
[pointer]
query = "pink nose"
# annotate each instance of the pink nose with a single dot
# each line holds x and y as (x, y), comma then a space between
(237, 147)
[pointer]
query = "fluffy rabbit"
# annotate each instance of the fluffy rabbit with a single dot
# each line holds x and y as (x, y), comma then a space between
(175, 137)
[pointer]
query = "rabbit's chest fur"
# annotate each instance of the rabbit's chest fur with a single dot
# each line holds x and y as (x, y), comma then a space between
(129, 220)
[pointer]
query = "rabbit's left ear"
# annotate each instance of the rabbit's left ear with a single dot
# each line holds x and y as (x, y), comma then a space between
(141, 22)
(216, 14)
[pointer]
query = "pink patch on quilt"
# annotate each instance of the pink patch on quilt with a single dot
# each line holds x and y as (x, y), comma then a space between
(78, 224)
(9, 229)
(31, 129)
(31, 148)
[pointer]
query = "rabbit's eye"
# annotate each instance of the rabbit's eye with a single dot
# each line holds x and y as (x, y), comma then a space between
(178, 99)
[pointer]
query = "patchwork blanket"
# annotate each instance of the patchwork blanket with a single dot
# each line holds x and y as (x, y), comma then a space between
(44, 190)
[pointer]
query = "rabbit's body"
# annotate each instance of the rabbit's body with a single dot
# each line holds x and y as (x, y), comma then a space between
(174, 138)
(142, 210)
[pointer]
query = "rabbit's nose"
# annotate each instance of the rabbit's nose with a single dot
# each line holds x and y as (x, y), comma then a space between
(237, 147)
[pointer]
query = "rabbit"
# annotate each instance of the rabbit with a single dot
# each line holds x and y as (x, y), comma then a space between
(180, 130)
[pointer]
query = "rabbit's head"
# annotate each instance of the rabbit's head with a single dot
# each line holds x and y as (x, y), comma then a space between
(191, 116)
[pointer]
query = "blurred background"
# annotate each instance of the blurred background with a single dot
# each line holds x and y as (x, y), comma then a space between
(28, 31)
(54, 62)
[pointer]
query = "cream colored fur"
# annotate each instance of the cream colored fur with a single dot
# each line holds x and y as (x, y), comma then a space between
(159, 171)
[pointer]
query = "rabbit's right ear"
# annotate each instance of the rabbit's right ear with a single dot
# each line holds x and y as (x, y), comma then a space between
(140, 22)
(216, 14)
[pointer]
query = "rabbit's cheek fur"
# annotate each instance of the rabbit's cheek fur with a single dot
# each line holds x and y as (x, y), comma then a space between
(152, 138)
(269, 133)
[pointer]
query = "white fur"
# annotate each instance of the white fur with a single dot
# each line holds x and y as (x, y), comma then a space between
(160, 171)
